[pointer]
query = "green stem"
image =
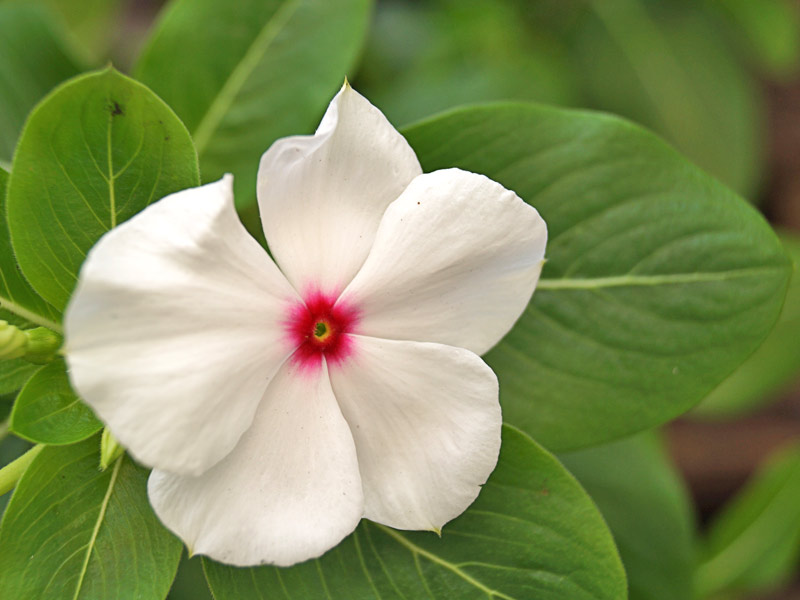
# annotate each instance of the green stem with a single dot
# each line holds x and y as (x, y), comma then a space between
(10, 474)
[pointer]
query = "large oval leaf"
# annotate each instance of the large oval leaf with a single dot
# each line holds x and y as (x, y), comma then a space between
(647, 508)
(659, 281)
(48, 411)
(532, 533)
(772, 367)
(73, 531)
(95, 152)
(242, 74)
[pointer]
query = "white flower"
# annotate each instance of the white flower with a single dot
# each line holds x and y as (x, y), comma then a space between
(281, 404)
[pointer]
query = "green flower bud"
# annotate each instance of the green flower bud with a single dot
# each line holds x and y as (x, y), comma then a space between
(110, 450)
(43, 345)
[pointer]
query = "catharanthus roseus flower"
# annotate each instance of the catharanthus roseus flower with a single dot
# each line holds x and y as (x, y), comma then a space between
(281, 404)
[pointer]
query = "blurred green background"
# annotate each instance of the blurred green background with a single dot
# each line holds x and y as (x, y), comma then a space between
(720, 80)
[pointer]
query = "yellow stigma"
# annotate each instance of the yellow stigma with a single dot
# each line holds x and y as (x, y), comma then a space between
(322, 331)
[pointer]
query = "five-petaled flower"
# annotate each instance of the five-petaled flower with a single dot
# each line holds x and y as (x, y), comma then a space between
(281, 404)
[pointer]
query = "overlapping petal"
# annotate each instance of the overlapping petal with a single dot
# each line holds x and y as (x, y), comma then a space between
(289, 491)
(455, 261)
(321, 197)
(172, 333)
(426, 423)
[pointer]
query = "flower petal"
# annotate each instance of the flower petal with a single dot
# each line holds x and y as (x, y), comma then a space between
(288, 492)
(455, 261)
(321, 197)
(173, 332)
(426, 422)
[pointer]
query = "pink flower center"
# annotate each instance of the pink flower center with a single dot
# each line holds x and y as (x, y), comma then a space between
(319, 327)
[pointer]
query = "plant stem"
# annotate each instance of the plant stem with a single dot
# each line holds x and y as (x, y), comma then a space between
(10, 474)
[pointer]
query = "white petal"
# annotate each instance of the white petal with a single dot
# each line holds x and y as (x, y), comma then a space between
(288, 492)
(174, 330)
(321, 197)
(455, 261)
(426, 422)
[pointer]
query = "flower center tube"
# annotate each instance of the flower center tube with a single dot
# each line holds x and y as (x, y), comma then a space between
(318, 327)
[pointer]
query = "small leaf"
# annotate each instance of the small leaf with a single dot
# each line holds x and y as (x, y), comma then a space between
(73, 531)
(33, 60)
(94, 153)
(772, 367)
(264, 70)
(47, 411)
(755, 542)
(659, 281)
(648, 510)
(532, 533)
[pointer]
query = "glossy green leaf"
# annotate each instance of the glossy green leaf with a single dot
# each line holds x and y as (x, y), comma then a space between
(14, 374)
(659, 280)
(19, 304)
(772, 367)
(667, 66)
(755, 543)
(48, 411)
(73, 531)
(33, 60)
(647, 509)
(94, 153)
(243, 74)
(532, 533)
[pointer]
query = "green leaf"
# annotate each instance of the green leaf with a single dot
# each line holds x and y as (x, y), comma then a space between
(73, 531)
(33, 60)
(19, 304)
(47, 411)
(772, 367)
(666, 66)
(755, 542)
(647, 508)
(242, 74)
(532, 533)
(659, 280)
(14, 374)
(94, 153)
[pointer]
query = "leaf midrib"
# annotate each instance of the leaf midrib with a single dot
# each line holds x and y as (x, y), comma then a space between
(239, 75)
(417, 551)
(629, 280)
(101, 515)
